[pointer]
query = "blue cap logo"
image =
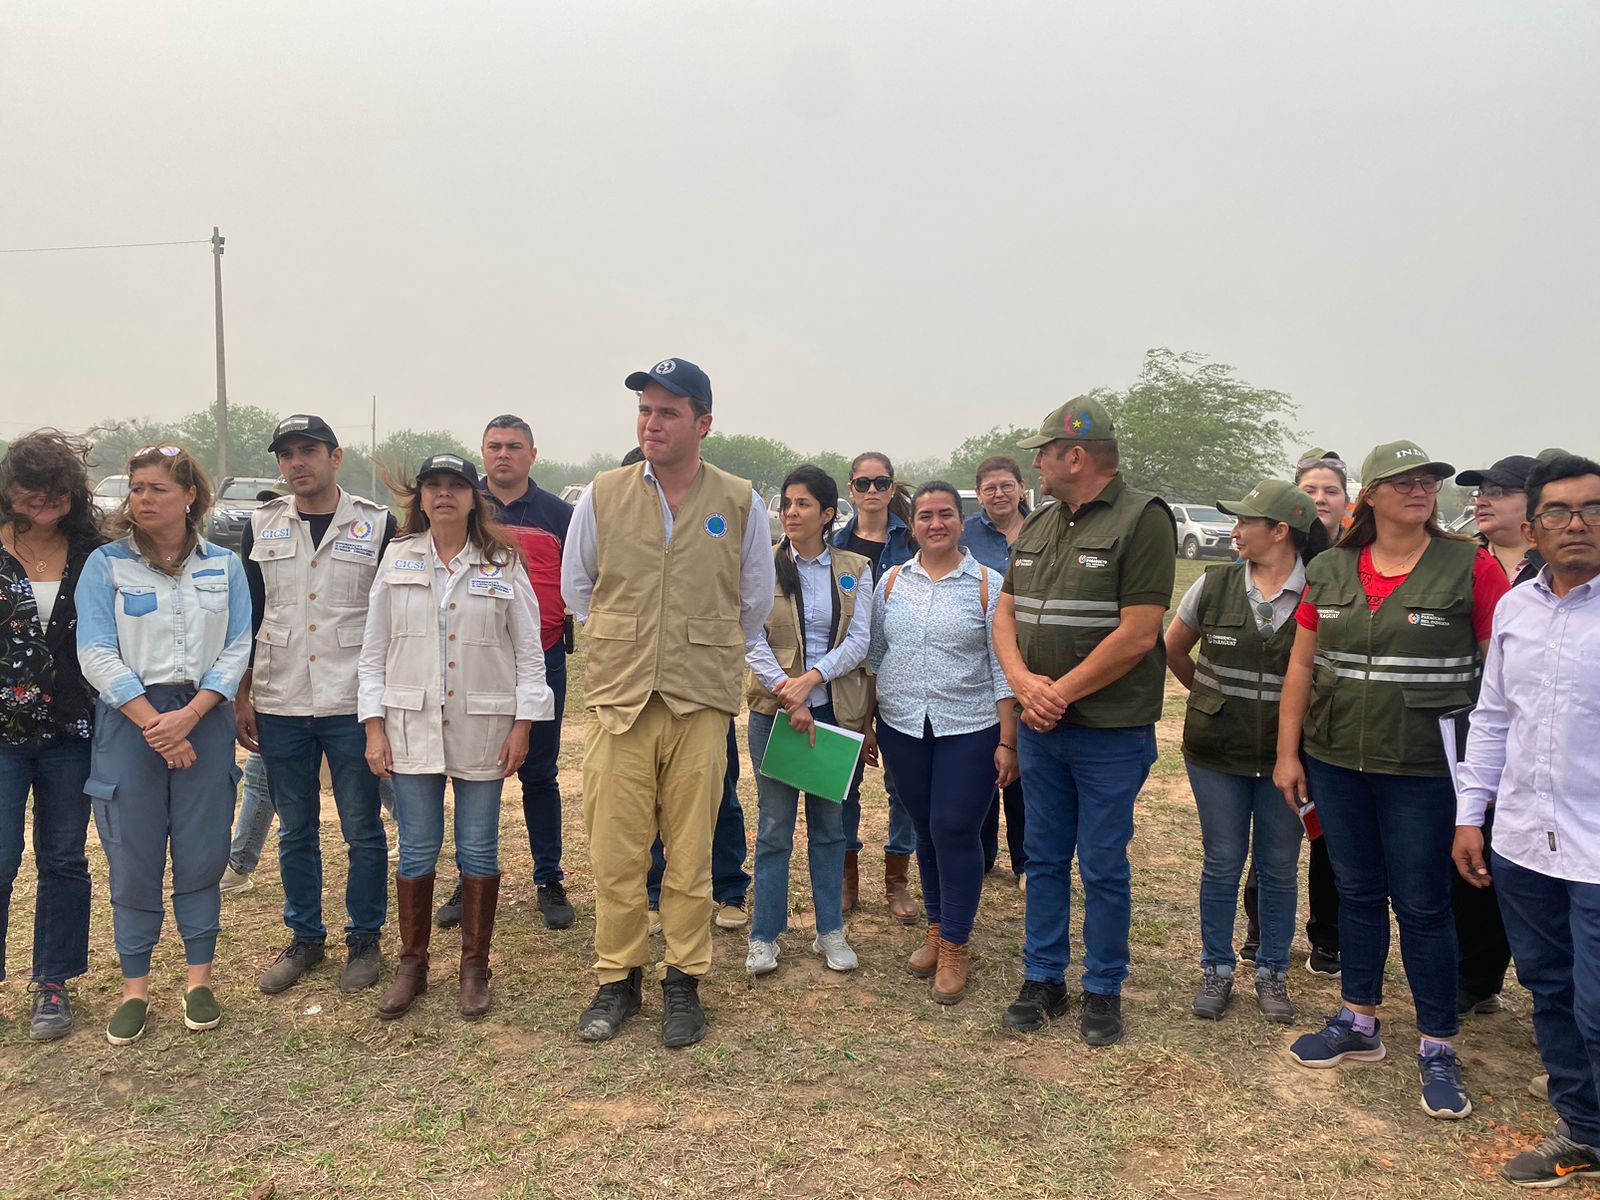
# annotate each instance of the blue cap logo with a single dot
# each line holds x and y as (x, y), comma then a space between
(665, 367)
(847, 583)
(717, 525)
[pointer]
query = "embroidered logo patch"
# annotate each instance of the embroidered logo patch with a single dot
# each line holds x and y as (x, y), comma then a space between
(1222, 639)
(1328, 614)
(847, 583)
(1077, 424)
(1093, 562)
(490, 571)
(275, 535)
(1023, 562)
(361, 530)
(665, 367)
(716, 524)
(488, 587)
(355, 548)
(1427, 620)
(410, 564)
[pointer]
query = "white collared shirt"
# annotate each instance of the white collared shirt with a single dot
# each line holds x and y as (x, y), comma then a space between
(816, 598)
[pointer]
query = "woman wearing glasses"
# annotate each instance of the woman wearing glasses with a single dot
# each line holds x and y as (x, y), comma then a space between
(1240, 614)
(1500, 506)
(1391, 635)
(163, 637)
(879, 531)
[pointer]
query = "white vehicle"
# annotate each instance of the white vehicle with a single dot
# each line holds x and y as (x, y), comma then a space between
(109, 493)
(1203, 531)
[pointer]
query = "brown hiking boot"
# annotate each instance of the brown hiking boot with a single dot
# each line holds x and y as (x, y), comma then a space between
(852, 881)
(898, 889)
(414, 899)
(480, 896)
(925, 959)
(950, 983)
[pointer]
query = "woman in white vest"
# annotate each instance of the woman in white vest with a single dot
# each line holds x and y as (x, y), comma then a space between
(808, 661)
(451, 681)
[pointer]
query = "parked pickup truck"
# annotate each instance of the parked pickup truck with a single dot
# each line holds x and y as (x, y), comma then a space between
(1203, 532)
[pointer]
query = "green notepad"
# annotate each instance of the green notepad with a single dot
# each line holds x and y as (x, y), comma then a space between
(825, 769)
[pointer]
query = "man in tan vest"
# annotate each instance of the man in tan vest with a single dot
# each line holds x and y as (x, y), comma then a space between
(668, 563)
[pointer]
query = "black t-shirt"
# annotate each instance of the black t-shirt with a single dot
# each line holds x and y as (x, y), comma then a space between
(870, 550)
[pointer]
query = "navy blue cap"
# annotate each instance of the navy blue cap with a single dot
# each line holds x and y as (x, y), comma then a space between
(302, 425)
(677, 375)
(449, 464)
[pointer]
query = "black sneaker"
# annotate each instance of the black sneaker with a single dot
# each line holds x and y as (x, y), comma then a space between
(52, 1011)
(1102, 1019)
(1323, 963)
(1469, 1005)
(611, 1007)
(1558, 1161)
(1036, 1005)
(683, 1021)
(553, 903)
(449, 914)
(1247, 952)
(292, 962)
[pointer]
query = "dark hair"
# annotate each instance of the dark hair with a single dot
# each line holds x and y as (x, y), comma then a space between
(507, 421)
(826, 493)
(1323, 464)
(185, 471)
(1567, 466)
(56, 464)
(936, 485)
(993, 465)
(1363, 530)
(636, 455)
(899, 494)
(483, 531)
(1311, 542)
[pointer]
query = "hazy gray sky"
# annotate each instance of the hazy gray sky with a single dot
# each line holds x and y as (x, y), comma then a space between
(884, 224)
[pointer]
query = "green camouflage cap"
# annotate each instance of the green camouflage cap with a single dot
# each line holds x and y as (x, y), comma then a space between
(1276, 501)
(1083, 420)
(1396, 458)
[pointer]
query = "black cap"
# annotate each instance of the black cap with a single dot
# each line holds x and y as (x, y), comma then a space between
(1509, 472)
(677, 375)
(449, 464)
(302, 425)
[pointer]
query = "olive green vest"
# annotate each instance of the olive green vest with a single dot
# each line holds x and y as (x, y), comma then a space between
(1382, 679)
(664, 617)
(1065, 576)
(1232, 721)
(847, 693)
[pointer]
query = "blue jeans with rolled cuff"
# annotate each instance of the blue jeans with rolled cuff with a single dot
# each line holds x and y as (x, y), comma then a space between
(55, 774)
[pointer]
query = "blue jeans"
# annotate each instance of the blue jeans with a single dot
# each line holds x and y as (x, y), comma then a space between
(1228, 806)
(779, 807)
(56, 775)
(293, 748)
(1080, 787)
(1389, 839)
(946, 783)
(541, 794)
(729, 882)
(902, 837)
(419, 812)
(254, 819)
(1554, 929)
(1016, 820)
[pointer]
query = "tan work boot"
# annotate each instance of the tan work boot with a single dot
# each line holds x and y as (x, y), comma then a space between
(897, 888)
(950, 982)
(925, 959)
(852, 881)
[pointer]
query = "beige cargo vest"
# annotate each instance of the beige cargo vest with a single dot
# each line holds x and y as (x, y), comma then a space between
(665, 617)
(316, 605)
(461, 732)
(848, 693)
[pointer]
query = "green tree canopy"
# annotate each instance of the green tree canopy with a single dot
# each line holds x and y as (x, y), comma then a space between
(763, 461)
(250, 431)
(964, 460)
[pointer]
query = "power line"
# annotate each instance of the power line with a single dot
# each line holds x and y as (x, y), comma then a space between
(113, 246)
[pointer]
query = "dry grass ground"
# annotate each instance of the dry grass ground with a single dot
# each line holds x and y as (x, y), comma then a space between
(809, 1084)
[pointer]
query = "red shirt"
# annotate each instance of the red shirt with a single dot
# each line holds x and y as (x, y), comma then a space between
(1489, 583)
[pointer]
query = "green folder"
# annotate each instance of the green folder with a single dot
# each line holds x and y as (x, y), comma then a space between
(825, 769)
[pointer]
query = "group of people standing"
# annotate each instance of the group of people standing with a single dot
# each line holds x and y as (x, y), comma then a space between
(1013, 661)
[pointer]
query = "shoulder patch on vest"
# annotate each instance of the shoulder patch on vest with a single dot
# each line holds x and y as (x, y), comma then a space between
(717, 525)
(282, 533)
(847, 583)
(410, 564)
(361, 530)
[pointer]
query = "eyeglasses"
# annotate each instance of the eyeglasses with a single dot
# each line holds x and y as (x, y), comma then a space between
(862, 483)
(1493, 491)
(1407, 484)
(169, 451)
(998, 489)
(1560, 517)
(1327, 460)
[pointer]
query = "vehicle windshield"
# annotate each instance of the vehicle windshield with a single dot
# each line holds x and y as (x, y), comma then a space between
(1199, 512)
(246, 489)
(113, 485)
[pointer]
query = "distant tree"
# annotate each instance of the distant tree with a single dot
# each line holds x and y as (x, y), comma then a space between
(763, 461)
(964, 459)
(115, 442)
(915, 471)
(404, 450)
(1188, 429)
(250, 431)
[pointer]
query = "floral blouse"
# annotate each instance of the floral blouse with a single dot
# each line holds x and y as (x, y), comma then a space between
(43, 698)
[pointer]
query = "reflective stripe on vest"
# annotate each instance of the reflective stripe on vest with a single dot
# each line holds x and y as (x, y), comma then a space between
(1379, 668)
(1081, 613)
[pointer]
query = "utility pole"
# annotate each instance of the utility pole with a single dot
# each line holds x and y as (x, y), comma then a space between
(222, 368)
(372, 458)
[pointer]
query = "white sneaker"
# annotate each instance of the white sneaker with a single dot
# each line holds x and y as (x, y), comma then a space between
(235, 881)
(763, 957)
(835, 949)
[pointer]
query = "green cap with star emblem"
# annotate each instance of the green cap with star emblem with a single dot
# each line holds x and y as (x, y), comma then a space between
(1274, 500)
(1082, 420)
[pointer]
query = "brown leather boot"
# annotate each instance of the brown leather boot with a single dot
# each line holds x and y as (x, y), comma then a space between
(895, 884)
(480, 896)
(925, 959)
(950, 983)
(852, 881)
(414, 898)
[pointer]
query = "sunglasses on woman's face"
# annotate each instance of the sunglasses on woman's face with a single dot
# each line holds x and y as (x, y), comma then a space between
(862, 483)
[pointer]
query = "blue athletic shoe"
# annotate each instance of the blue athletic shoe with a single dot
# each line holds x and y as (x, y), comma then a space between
(1338, 1041)
(1443, 1094)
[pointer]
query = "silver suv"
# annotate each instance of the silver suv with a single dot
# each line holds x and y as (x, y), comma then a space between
(1203, 532)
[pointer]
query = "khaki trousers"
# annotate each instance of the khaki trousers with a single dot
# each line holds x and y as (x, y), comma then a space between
(662, 774)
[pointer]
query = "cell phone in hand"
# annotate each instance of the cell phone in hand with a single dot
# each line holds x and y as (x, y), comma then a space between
(1309, 818)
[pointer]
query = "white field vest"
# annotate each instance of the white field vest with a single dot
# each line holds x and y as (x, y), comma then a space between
(462, 732)
(316, 605)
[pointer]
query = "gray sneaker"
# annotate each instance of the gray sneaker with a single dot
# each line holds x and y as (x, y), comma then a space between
(363, 961)
(1211, 1001)
(835, 951)
(235, 881)
(294, 961)
(52, 1011)
(762, 958)
(1272, 997)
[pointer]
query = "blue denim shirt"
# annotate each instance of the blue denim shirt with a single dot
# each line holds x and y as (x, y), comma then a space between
(896, 550)
(139, 626)
(986, 543)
